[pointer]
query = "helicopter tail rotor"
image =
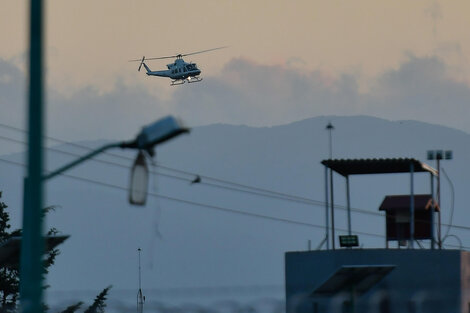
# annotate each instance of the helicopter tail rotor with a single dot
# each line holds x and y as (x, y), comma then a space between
(141, 63)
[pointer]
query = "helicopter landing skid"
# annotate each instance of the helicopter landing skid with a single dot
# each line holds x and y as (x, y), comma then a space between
(182, 81)
(194, 80)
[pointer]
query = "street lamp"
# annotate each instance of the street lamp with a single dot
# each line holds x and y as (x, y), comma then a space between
(32, 245)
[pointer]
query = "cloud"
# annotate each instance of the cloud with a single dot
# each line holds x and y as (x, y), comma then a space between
(12, 93)
(249, 93)
(253, 94)
(421, 89)
(434, 11)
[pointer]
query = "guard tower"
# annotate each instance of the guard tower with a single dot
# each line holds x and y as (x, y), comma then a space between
(348, 167)
(384, 280)
(397, 213)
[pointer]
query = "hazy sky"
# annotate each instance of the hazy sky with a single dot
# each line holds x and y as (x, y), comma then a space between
(286, 60)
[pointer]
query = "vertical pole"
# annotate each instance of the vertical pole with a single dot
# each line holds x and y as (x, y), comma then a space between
(332, 210)
(348, 202)
(439, 241)
(412, 207)
(140, 300)
(32, 247)
(327, 231)
(330, 128)
(432, 212)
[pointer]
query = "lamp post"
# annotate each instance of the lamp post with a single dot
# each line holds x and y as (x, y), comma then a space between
(31, 249)
(439, 155)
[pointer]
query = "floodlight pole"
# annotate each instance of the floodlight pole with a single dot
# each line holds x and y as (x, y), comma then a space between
(433, 209)
(327, 222)
(412, 206)
(438, 195)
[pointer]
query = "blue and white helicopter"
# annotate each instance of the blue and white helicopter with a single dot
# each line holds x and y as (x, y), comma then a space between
(179, 71)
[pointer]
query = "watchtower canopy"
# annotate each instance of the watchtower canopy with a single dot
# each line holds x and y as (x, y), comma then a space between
(348, 167)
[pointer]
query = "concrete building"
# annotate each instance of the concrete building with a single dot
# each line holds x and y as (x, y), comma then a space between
(378, 280)
(351, 279)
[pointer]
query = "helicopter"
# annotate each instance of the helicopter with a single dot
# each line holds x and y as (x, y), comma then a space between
(179, 71)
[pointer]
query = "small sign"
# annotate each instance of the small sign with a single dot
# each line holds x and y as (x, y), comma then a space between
(349, 241)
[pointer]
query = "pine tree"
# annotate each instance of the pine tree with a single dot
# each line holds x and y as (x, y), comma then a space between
(9, 273)
(73, 308)
(100, 302)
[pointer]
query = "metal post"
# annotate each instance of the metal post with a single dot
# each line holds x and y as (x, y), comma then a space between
(332, 210)
(412, 206)
(439, 241)
(140, 299)
(348, 203)
(432, 211)
(327, 231)
(330, 128)
(32, 247)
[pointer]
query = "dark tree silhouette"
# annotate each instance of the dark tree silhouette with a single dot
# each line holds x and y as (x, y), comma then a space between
(73, 308)
(100, 302)
(9, 274)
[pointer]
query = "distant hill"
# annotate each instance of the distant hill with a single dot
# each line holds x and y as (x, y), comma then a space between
(191, 236)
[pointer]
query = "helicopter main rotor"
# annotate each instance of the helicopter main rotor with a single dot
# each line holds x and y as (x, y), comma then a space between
(178, 56)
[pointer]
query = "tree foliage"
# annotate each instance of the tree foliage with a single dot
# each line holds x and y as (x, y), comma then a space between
(73, 308)
(100, 302)
(9, 274)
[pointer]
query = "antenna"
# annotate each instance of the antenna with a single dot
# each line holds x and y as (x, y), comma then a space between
(140, 298)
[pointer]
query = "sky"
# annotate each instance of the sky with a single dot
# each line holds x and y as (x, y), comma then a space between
(285, 61)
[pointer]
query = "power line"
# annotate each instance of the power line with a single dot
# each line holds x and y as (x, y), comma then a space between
(219, 208)
(194, 203)
(243, 188)
(258, 191)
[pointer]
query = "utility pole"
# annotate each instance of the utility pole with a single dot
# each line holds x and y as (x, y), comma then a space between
(32, 247)
(330, 128)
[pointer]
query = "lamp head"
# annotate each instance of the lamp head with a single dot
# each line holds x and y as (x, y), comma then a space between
(158, 132)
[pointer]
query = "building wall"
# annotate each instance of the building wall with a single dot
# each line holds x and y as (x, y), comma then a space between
(422, 281)
(465, 281)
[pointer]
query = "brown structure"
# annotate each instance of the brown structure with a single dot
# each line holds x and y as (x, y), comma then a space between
(397, 210)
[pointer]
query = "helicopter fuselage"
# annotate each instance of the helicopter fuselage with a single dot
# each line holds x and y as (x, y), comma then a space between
(179, 70)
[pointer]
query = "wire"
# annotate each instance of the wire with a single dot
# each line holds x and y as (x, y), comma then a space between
(213, 207)
(209, 206)
(258, 191)
(281, 196)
